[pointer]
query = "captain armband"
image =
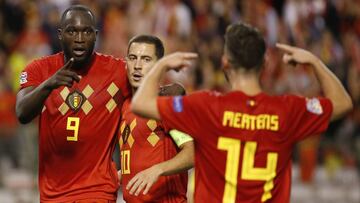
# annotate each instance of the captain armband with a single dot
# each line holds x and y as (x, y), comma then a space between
(180, 137)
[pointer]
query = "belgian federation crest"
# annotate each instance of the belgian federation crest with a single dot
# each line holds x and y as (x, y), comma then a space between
(75, 100)
(125, 133)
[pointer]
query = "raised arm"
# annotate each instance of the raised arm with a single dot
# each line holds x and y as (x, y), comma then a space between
(30, 100)
(330, 84)
(144, 100)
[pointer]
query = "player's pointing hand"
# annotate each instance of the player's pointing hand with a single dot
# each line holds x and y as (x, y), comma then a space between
(178, 60)
(63, 77)
(296, 55)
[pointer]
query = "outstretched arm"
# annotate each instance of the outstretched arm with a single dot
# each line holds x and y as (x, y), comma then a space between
(183, 161)
(30, 100)
(144, 100)
(330, 84)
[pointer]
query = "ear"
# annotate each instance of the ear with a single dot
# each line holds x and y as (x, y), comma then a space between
(225, 66)
(96, 33)
(224, 62)
(59, 34)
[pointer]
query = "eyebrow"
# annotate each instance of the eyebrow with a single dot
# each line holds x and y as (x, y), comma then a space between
(79, 27)
(142, 56)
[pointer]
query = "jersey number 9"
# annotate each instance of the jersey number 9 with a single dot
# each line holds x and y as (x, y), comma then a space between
(73, 125)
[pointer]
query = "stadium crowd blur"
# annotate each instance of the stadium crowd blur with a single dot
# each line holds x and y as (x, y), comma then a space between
(329, 28)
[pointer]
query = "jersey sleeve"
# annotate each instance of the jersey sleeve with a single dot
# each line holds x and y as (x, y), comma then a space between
(307, 116)
(31, 75)
(184, 113)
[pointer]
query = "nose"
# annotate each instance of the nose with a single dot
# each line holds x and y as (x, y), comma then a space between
(79, 37)
(138, 64)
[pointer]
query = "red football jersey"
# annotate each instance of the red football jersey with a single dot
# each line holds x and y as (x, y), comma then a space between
(78, 129)
(243, 144)
(144, 143)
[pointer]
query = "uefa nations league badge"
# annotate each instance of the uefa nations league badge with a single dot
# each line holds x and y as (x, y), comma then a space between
(75, 100)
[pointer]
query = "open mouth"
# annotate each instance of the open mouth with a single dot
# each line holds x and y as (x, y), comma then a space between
(137, 77)
(79, 52)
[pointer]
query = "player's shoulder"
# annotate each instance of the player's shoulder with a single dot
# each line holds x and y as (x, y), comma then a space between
(286, 102)
(43, 64)
(288, 98)
(205, 96)
(110, 63)
(49, 58)
(105, 58)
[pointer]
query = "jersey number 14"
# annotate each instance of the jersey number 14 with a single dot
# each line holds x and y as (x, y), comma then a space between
(248, 171)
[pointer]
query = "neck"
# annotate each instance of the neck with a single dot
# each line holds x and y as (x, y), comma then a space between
(80, 65)
(245, 81)
(133, 90)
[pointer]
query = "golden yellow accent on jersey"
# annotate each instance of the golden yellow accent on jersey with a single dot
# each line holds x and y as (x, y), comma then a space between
(87, 92)
(250, 172)
(122, 127)
(73, 124)
(130, 139)
(153, 137)
(112, 89)
(64, 93)
(180, 137)
(111, 105)
(125, 161)
(251, 122)
(76, 101)
(151, 124)
(232, 146)
(133, 125)
(63, 108)
(86, 107)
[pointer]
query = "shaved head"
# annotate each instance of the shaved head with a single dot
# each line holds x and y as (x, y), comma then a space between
(76, 8)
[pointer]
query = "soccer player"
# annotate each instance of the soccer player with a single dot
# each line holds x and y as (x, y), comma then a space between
(153, 166)
(78, 95)
(244, 139)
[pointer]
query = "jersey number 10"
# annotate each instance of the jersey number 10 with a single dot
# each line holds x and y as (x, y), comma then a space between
(248, 171)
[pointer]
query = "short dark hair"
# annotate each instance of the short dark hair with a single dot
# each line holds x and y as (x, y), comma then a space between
(77, 8)
(245, 46)
(149, 39)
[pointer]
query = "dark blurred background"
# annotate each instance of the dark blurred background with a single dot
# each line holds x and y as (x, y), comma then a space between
(326, 167)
